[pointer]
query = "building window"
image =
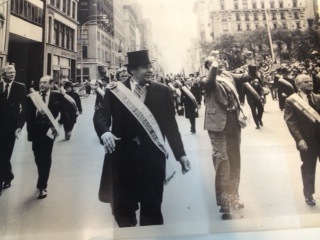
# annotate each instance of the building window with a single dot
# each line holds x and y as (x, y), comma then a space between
(64, 6)
(275, 26)
(284, 25)
(257, 26)
(58, 4)
(262, 5)
(236, 6)
(283, 16)
(254, 5)
(272, 5)
(255, 16)
(280, 4)
(248, 27)
(26, 10)
(98, 36)
(56, 34)
(246, 17)
(274, 16)
(225, 27)
(222, 6)
(239, 27)
(298, 25)
(74, 9)
(238, 16)
(224, 17)
(294, 3)
(85, 52)
(296, 15)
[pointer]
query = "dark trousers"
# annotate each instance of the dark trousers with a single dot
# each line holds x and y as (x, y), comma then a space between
(308, 171)
(42, 148)
(226, 159)
(7, 140)
(138, 178)
(193, 123)
(257, 111)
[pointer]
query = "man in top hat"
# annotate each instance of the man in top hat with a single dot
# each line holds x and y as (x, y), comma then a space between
(134, 167)
(12, 119)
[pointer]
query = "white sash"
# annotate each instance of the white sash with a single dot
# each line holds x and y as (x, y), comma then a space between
(100, 91)
(252, 90)
(140, 111)
(69, 99)
(44, 110)
(190, 95)
(304, 107)
(285, 82)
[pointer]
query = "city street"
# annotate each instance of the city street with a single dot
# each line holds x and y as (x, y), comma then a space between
(271, 187)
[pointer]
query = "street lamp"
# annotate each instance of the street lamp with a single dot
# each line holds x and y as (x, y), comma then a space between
(120, 53)
(104, 19)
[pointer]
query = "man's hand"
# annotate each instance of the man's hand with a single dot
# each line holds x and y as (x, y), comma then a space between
(109, 143)
(185, 164)
(18, 133)
(283, 95)
(302, 145)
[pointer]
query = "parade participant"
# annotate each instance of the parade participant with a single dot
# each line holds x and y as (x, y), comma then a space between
(88, 86)
(190, 102)
(302, 117)
(222, 117)
(254, 92)
(121, 74)
(135, 163)
(72, 113)
(42, 110)
(12, 119)
(286, 87)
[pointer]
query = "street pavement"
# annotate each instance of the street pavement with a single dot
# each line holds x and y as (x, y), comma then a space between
(271, 187)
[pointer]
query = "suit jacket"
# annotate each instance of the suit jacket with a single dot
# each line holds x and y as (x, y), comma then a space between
(300, 127)
(12, 110)
(55, 105)
(124, 125)
(216, 100)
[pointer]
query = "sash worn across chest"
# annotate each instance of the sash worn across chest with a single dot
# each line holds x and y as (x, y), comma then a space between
(285, 82)
(252, 90)
(304, 108)
(190, 95)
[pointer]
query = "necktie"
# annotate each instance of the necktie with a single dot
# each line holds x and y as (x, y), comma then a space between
(310, 100)
(6, 90)
(44, 97)
(139, 90)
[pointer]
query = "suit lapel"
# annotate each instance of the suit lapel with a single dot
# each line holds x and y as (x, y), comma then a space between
(12, 91)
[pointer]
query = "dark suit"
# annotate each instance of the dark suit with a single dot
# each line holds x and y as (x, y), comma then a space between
(135, 172)
(37, 128)
(287, 90)
(12, 117)
(301, 128)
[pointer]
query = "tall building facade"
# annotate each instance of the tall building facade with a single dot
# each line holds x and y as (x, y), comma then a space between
(4, 32)
(96, 46)
(26, 49)
(61, 39)
(231, 16)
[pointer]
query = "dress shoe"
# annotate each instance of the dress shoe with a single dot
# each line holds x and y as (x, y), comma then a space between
(257, 127)
(237, 204)
(225, 209)
(261, 123)
(6, 184)
(310, 201)
(68, 135)
(42, 193)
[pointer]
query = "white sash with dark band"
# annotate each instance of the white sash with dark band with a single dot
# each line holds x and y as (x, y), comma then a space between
(190, 95)
(304, 107)
(252, 90)
(143, 115)
(44, 110)
(285, 82)
(68, 98)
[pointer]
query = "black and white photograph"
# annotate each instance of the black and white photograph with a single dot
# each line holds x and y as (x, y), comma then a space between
(159, 119)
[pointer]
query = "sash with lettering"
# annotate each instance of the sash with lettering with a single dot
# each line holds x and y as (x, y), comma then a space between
(285, 82)
(68, 98)
(304, 108)
(140, 111)
(45, 111)
(252, 90)
(190, 95)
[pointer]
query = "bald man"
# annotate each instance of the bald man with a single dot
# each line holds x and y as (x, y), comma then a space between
(38, 126)
(305, 131)
(12, 119)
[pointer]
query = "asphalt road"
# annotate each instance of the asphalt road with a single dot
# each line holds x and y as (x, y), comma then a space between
(271, 187)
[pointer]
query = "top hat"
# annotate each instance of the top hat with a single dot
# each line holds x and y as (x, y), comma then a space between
(138, 58)
(252, 70)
